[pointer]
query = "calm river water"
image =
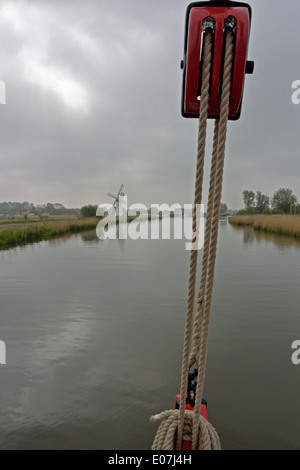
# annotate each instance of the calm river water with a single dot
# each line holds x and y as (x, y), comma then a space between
(94, 331)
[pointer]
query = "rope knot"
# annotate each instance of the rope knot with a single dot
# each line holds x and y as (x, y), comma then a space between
(166, 436)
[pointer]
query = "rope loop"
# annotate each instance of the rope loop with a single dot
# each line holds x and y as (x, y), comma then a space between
(166, 436)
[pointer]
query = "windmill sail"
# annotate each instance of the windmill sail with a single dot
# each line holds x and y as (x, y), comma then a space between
(117, 198)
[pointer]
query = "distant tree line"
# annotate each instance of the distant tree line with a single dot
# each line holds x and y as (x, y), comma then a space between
(88, 211)
(27, 208)
(283, 201)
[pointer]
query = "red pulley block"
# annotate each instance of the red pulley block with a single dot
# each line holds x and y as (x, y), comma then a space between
(191, 398)
(187, 445)
(217, 16)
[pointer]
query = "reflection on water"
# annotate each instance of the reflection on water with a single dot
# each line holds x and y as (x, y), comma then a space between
(89, 237)
(248, 237)
(94, 335)
(251, 236)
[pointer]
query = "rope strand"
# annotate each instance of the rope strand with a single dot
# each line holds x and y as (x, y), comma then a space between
(212, 228)
(203, 116)
(190, 425)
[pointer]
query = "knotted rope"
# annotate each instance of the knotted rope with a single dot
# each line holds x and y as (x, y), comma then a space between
(166, 436)
(183, 424)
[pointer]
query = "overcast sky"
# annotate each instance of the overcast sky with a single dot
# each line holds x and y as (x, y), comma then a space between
(93, 101)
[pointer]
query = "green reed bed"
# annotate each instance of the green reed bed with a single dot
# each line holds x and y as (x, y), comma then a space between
(287, 225)
(21, 235)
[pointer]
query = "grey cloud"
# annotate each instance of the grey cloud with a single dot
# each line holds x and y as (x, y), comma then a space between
(123, 58)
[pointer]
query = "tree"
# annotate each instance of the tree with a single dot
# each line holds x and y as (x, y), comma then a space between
(284, 201)
(248, 198)
(223, 208)
(88, 211)
(262, 202)
(248, 211)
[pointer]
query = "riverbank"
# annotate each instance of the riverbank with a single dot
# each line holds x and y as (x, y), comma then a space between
(287, 225)
(15, 233)
(25, 232)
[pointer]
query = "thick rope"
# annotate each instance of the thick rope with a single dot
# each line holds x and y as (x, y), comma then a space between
(202, 316)
(202, 128)
(182, 424)
(205, 256)
(166, 436)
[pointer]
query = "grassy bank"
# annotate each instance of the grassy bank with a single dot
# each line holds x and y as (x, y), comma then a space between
(37, 220)
(287, 225)
(29, 233)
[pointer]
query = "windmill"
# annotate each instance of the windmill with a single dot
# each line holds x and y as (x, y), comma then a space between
(117, 198)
